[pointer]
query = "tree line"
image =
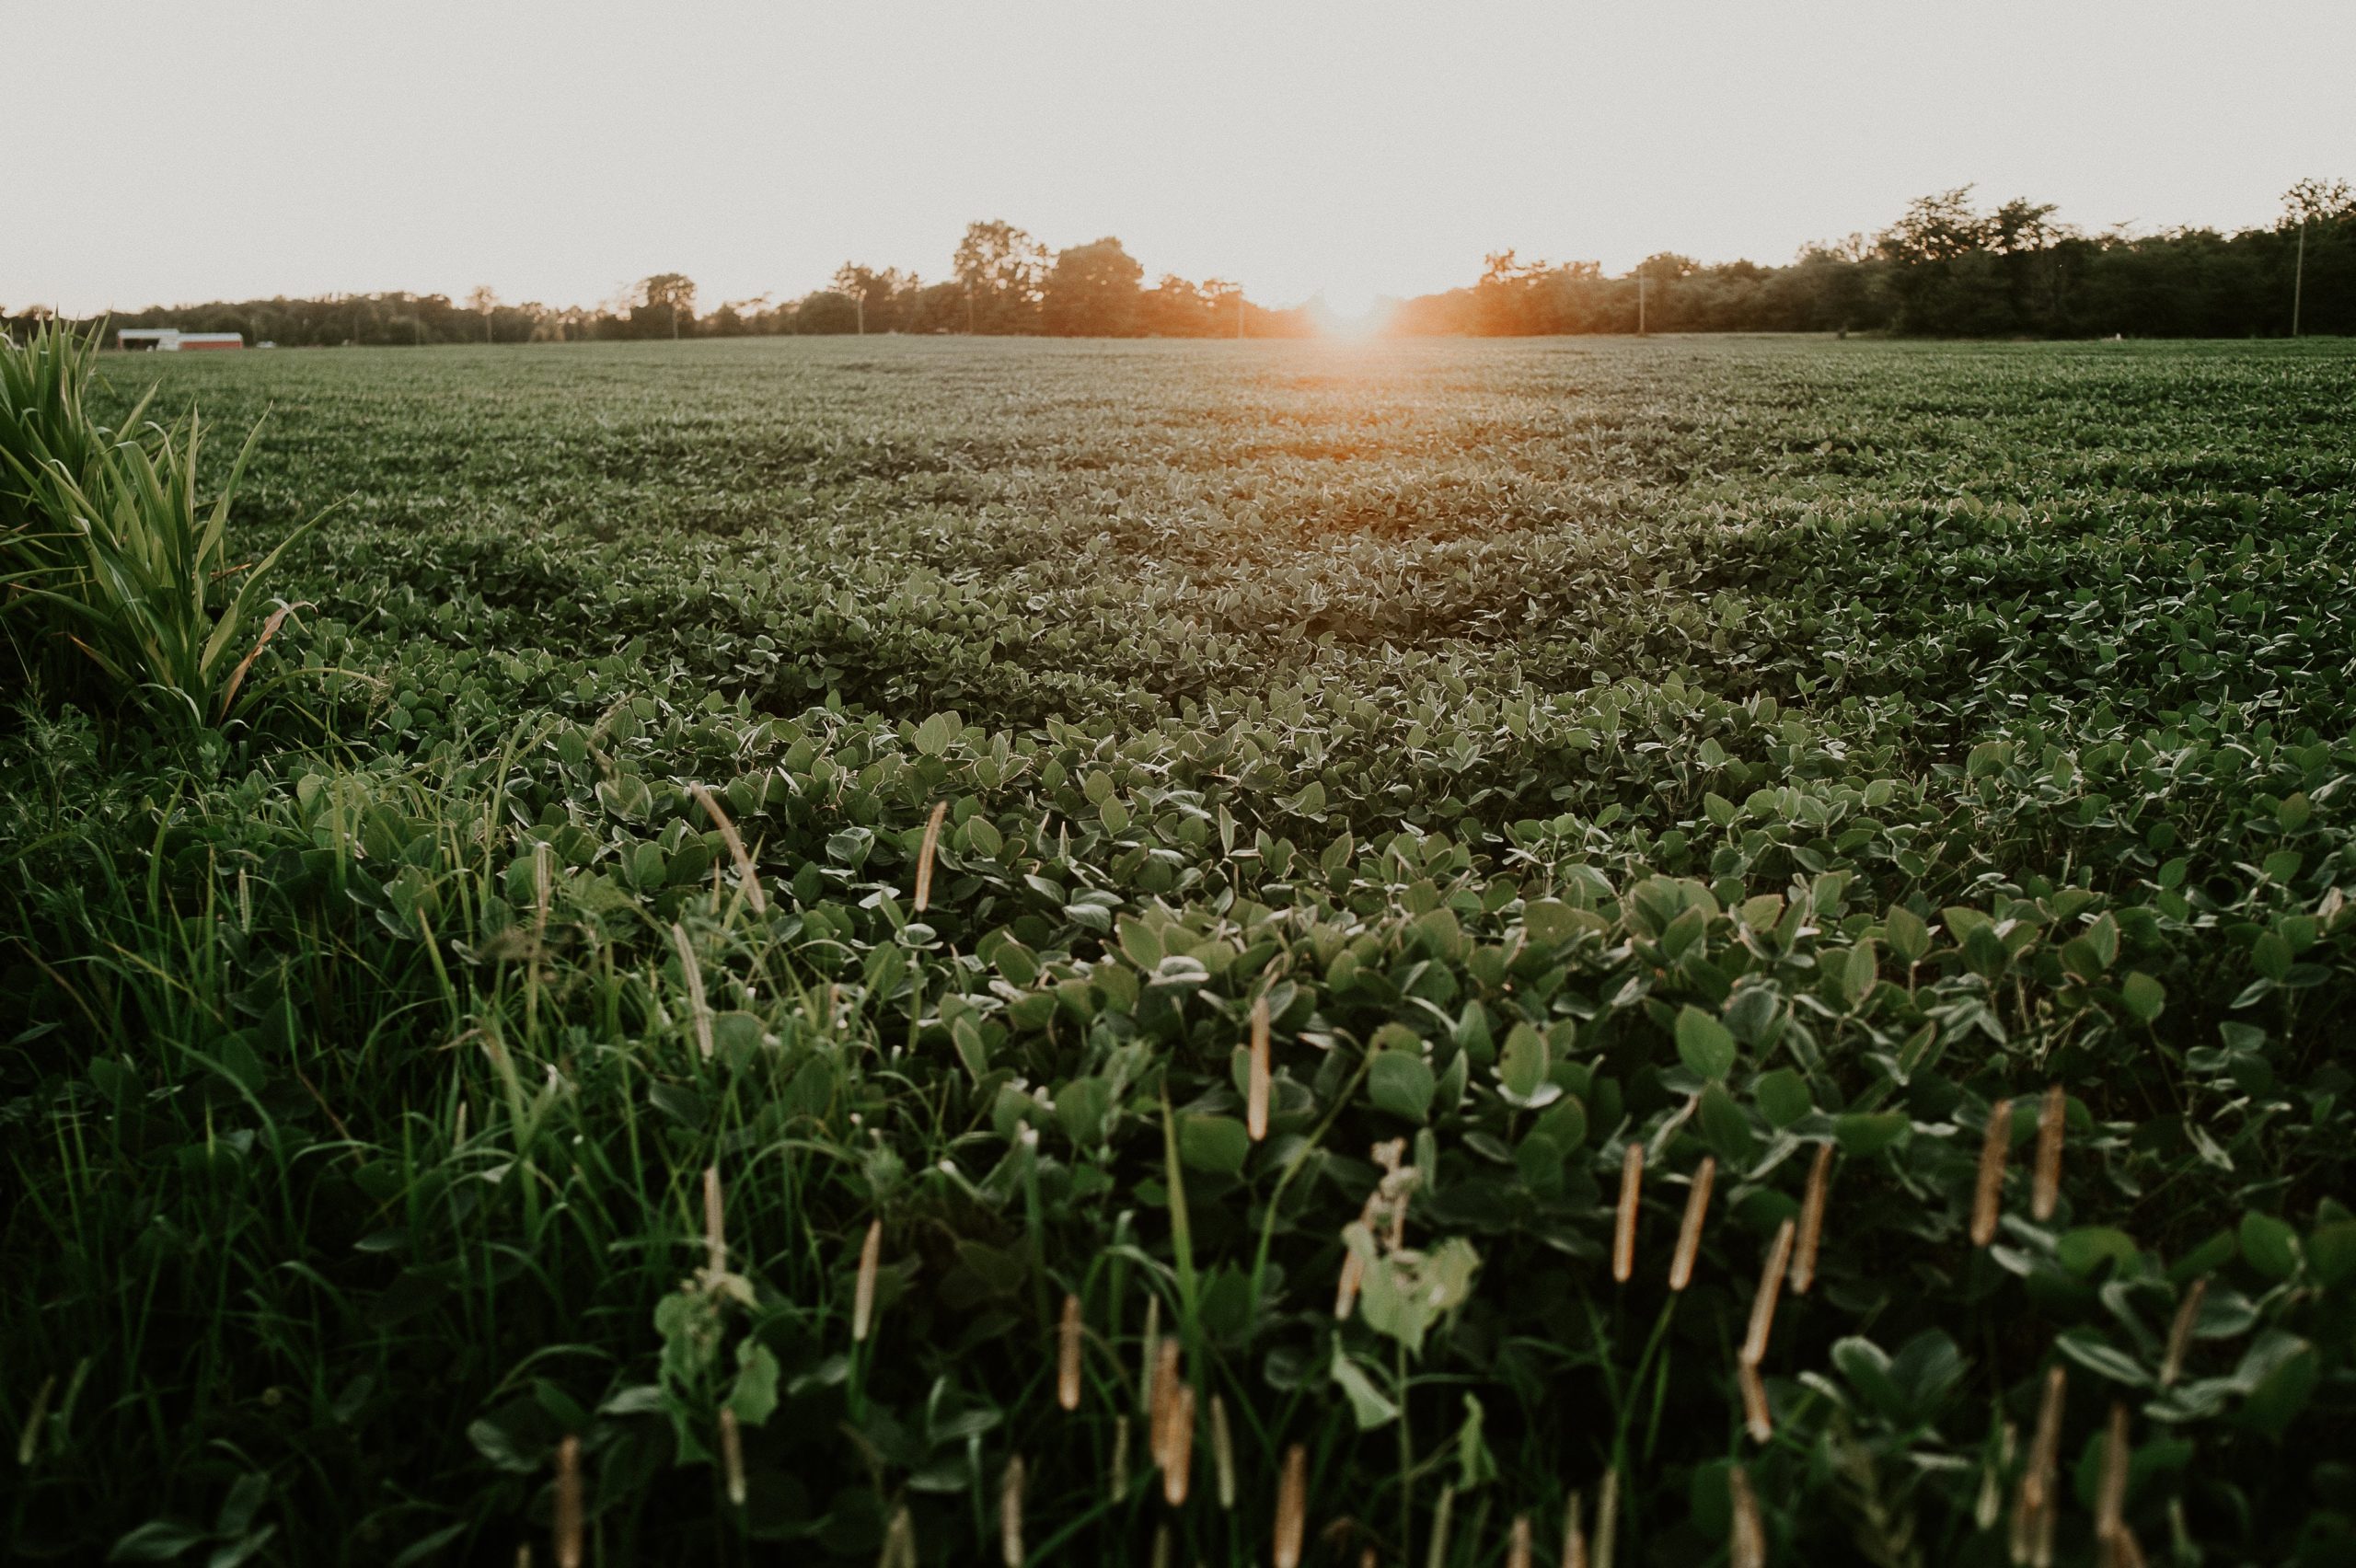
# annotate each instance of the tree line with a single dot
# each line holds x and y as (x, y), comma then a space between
(1945, 268)
(1948, 269)
(1003, 282)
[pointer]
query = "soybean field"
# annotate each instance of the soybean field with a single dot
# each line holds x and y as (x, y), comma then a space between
(901, 951)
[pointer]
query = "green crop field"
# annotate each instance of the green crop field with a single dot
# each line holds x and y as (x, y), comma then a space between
(1797, 894)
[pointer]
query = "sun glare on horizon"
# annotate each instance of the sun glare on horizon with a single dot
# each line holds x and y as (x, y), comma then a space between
(1347, 311)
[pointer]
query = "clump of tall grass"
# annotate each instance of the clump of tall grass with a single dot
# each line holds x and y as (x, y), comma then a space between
(118, 578)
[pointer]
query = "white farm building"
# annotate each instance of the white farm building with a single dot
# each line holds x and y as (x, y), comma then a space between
(171, 339)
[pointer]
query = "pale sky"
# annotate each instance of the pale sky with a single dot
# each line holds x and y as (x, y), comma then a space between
(191, 150)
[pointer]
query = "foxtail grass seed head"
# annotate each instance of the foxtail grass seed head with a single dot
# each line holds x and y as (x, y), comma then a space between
(1222, 1454)
(1623, 1230)
(715, 1222)
(524, 1554)
(1443, 1524)
(2053, 1119)
(458, 1128)
(1160, 1558)
(1819, 1181)
(1574, 1532)
(1988, 1197)
(1689, 1235)
(2034, 1504)
(567, 1525)
(862, 1296)
(699, 1009)
(925, 853)
(1010, 1513)
(1164, 1408)
(1068, 1345)
(745, 871)
(1255, 1115)
(1178, 1447)
(1758, 1419)
(1762, 1305)
(1518, 1542)
(1346, 1293)
(29, 1440)
(1120, 1458)
(1607, 1518)
(2188, 1313)
(1746, 1544)
(543, 880)
(2110, 1497)
(1292, 1507)
(900, 1541)
(732, 1454)
(1149, 1358)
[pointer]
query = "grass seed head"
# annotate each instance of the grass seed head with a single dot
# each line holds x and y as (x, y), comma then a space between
(2052, 1118)
(715, 1222)
(1758, 1419)
(1257, 1101)
(1820, 1181)
(1762, 1305)
(1178, 1447)
(1623, 1230)
(1010, 1513)
(1518, 1542)
(1067, 1346)
(1222, 1454)
(732, 1454)
(567, 1526)
(2187, 1314)
(862, 1296)
(2111, 1496)
(1607, 1519)
(1574, 1532)
(1747, 1543)
(1292, 1507)
(1988, 1195)
(925, 853)
(1689, 1235)
(745, 871)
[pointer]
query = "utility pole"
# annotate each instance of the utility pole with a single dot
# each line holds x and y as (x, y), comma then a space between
(2299, 275)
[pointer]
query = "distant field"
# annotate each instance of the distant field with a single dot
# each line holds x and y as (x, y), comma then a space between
(1730, 750)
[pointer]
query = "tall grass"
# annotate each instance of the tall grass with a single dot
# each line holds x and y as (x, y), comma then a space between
(119, 575)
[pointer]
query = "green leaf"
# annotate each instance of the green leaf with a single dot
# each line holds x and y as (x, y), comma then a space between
(1869, 1132)
(1783, 1096)
(1082, 1106)
(2084, 1250)
(2271, 1246)
(1907, 934)
(2143, 996)
(754, 1395)
(2098, 1356)
(1726, 1127)
(1522, 1064)
(1704, 1044)
(157, 1541)
(1367, 1401)
(1217, 1144)
(1400, 1082)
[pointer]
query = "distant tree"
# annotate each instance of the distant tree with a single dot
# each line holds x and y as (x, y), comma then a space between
(664, 306)
(1092, 292)
(2316, 200)
(1002, 270)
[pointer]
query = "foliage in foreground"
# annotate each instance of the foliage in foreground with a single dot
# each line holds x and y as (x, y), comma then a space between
(121, 587)
(528, 1080)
